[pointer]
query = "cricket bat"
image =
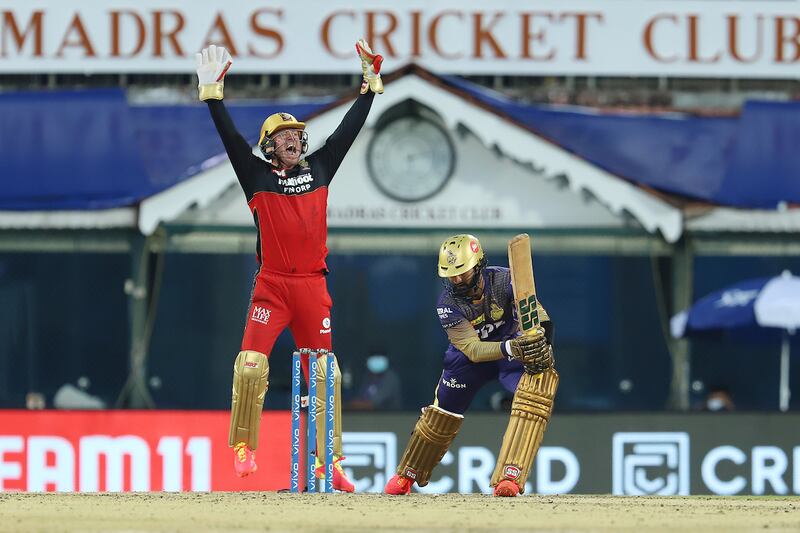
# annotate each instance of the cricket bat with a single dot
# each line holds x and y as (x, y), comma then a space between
(519, 259)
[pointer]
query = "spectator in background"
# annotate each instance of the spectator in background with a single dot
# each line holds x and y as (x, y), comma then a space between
(381, 388)
(718, 400)
(35, 401)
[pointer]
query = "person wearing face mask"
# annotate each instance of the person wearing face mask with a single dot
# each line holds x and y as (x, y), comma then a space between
(287, 193)
(476, 310)
(381, 388)
(718, 401)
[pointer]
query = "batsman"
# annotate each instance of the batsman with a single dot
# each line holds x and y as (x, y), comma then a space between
(497, 331)
(287, 193)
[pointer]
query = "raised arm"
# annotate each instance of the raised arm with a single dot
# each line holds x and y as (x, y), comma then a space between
(212, 65)
(331, 154)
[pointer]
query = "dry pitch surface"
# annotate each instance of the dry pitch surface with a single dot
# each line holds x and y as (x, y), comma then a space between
(269, 511)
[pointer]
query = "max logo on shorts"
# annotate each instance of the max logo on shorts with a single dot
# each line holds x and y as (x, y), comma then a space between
(326, 325)
(260, 314)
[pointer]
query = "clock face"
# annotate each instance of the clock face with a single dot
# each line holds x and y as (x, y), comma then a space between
(410, 159)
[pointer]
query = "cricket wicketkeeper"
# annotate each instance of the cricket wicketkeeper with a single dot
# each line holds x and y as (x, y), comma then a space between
(287, 192)
(476, 310)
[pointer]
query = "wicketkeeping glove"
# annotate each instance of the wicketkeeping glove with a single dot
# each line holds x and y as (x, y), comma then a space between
(532, 350)
(371, 66)
(212, 65)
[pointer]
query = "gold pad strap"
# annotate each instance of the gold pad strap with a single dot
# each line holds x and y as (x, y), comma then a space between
(322, 371)
(250, 383)
(432, 435)
(530, 411)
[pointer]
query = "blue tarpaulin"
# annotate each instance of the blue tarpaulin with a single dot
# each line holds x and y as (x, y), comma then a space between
(749, 161)
(91, 150)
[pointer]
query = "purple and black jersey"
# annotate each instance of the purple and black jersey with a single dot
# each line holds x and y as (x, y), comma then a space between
(480, 329)
(492, 319)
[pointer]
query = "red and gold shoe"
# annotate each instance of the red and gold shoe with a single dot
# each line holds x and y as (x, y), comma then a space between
(506, 489)
(398, 485)
(340, 479)
(244, 460)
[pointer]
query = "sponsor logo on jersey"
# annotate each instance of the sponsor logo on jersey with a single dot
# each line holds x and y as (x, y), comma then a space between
(296, 180)
(443, 312)
(453, 384)
(260, 314)
(326, 325)
(478, 321)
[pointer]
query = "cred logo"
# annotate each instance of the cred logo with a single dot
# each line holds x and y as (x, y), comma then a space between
(650, 463)
(371, 459)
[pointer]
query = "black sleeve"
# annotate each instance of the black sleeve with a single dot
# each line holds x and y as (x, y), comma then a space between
(330, 156)
(549, 331)
(239, 151)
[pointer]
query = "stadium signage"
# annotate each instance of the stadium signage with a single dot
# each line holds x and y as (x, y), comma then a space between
(619, 454)
(549, 37)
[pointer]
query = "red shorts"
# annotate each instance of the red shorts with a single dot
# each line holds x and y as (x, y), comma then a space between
(300, 302)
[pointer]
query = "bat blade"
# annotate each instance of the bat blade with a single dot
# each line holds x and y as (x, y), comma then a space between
(521, 263)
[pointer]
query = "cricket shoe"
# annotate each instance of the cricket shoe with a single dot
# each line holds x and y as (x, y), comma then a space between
(244, 460)
(506, 489)
(398, 485)
(340, 480)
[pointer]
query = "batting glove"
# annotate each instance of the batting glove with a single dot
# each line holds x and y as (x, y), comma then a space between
(212, 65)
(371, 67)
(532, 350)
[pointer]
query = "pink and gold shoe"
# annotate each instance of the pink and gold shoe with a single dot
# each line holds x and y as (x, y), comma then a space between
(244, 460)
(340, 480)
(506, 488)
(398, 485)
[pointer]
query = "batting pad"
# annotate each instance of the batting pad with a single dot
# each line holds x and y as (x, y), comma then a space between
(432, 435)
(250, 383)
(530, 411)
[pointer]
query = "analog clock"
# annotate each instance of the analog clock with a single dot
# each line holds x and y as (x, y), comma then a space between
(410, 158)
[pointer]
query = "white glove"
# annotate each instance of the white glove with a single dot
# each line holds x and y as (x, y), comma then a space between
(371, 67)
(212, 65)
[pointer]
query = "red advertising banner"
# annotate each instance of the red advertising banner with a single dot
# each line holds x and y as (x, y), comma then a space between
(98, 451)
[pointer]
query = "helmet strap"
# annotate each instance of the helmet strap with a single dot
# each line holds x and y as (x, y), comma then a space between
(462, 291)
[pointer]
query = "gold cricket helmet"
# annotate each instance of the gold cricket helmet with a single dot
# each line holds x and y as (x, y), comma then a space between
(277, 122)
(459, 254)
